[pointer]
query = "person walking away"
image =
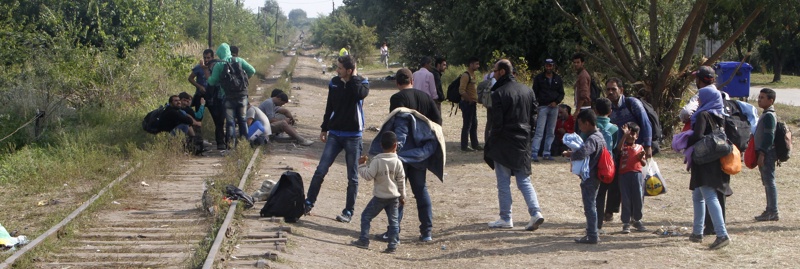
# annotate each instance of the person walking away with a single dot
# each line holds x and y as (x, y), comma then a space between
(508, 148)
(593, 146)
(549, 90)
(235, 101)
(767, 157)
(389, 192)
(468, 88)
(342, 129)
(631, 180)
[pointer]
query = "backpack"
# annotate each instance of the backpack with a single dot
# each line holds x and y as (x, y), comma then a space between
(605, 167)
(737, 127)
(655, 124)
(453, 95)
(783, 142)
(151, 120)
(233, 79)
(485, 93)
(595, 91)
(286, 199)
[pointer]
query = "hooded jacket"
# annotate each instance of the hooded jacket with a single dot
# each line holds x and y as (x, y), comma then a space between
(224, 53)
(420, 141)
(344, 110)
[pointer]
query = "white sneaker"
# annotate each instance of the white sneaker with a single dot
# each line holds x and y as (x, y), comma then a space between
(305, 142)
(536, 220)
(500, 223)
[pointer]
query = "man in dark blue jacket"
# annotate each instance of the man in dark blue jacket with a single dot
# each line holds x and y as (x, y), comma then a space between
(549, 90)
(342, 128)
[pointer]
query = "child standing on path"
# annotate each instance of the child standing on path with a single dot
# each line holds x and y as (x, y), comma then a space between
(631, 182)
(765, 146)
(389, 192)
(593, 146)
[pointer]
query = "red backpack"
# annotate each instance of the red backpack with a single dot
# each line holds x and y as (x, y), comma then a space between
(605, 167)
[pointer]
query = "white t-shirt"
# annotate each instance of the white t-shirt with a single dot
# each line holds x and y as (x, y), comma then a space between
(256, 114)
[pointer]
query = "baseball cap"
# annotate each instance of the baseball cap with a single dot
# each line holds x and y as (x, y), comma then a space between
(549, 61)
(705, 72)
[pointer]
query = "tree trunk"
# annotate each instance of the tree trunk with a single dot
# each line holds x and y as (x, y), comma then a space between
(777, 64)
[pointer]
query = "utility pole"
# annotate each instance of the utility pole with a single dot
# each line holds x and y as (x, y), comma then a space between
(276, 26)
(333, 7)
(210, 16)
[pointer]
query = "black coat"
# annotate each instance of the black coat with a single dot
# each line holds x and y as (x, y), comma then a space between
(513, 109)
(548, 91)
(416, 100)
(709, 174)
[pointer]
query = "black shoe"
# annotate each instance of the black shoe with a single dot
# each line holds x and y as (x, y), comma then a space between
(384, 237)
(696, 238)
(639, 226)
(344, 218)
(767, 216)
(586, 240)
(467, 149)
(709, 232)
(609, 216)
(307, 209)
(360, 244)
(721, 242)
(389, 250)
(478, 147)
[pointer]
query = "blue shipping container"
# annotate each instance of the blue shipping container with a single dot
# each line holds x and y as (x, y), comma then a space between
(739, 86)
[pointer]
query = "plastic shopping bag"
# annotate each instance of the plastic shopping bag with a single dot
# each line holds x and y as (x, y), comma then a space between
(654, 183)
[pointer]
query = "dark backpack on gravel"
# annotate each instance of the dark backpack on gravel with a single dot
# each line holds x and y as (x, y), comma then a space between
(287, 198)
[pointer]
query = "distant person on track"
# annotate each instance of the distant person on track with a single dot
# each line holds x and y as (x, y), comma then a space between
(342, 129)
(385, 54)
(344, 51)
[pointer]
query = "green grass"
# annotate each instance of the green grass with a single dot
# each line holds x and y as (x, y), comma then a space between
(765, 79)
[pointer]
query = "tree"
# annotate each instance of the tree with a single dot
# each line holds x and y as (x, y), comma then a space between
(780, 28)
(340, 30)
(655, 57)
(298, 18)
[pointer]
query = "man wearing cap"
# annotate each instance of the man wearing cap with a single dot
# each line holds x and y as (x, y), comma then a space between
(424, 78)
(549, 90)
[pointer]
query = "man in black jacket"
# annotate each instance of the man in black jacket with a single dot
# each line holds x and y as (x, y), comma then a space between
(549, 90)
(342, 127)
(508, 147)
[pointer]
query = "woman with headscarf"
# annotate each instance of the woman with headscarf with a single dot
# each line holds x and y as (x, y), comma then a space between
(707, 179)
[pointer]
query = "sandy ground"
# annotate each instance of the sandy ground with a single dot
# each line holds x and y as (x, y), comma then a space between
(467, 200)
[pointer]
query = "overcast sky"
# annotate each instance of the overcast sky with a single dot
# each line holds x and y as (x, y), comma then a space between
(311, 7)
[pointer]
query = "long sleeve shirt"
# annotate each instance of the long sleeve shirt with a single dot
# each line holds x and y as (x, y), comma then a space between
(765, 130)
(468, 88)
(387, 172)
(583, 90)
(423, 81)
(592, 146)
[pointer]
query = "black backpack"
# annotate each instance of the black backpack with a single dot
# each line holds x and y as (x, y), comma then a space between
(737, 127)
(150, 121)
(452, 90)
(595, 91)
(233, 79)
(286, 199)
(783, 142)
(655, 123)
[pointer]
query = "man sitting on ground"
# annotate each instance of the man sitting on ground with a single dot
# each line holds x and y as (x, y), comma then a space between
(259, 128)
(281, 124)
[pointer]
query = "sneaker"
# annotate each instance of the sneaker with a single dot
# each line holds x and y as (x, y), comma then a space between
(360, 244)
(500, 223)
(467, 149)
(639, 226)
(536, 220)
(389, 250)
(548, 158)
(384, 237)
(587, 240)
(696, 238)
(344, 218)
(307, 209)
(425, 239)
(535, 158)
(767, 216)
(626, 228)
(478, 147)
(305, 142)
(609, 216)
(721, 242)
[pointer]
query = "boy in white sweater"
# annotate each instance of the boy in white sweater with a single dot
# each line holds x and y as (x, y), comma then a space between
(389, 192)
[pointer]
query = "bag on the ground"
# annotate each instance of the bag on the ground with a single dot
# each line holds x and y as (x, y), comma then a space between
(485, 93)
(737, 127)
(732, 163)
(235, 193)
(655, 123)
(606, 167)
(750, 155)
(783, 142)
(653, 180)
(711, 147)
(233, 78)
(286, 199)
(151, 120)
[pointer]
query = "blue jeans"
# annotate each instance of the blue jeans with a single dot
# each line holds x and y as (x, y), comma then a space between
(374, 207)
(589, 195)
(706, 196)
(768, 180)
(185, 129)
(545, 128)
(504, 190)
(235, 114)
(416, 178)
(631, 186)
(469, 128)
(335, 145)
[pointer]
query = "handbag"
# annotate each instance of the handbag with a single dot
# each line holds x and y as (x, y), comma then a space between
(732, 163)
(750, 155)
(711, 147)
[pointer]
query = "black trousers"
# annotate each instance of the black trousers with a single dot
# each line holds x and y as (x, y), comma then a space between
(608, 200)
(218, 115)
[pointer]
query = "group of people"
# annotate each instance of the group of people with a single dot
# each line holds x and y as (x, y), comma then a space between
(229, 108)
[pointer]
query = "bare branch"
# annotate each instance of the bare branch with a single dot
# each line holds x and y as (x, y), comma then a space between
(669, 60)
(735, 35)
(636, 44)
(691, 43)
(616, 40)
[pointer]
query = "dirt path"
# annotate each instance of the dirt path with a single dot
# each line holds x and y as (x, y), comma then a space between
(467, 200)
